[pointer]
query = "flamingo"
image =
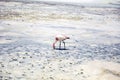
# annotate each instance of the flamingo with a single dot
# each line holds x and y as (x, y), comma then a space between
(60, 38)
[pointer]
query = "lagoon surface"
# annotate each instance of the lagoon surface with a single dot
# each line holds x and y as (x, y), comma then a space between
(28, 29)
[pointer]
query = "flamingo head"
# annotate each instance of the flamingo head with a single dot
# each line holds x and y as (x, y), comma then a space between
(67, 37)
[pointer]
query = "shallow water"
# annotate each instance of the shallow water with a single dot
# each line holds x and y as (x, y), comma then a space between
(27, 32)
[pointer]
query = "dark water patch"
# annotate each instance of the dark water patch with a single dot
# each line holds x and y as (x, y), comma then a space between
(83, 51)
(100, 52)
(21, 46)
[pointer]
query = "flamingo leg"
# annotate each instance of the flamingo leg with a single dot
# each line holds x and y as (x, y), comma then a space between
(60, 45)
(64, 44)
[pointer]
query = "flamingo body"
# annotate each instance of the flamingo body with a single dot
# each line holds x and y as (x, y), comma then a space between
(60, 38)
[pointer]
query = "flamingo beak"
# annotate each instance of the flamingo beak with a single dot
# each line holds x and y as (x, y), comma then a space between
(68, 37)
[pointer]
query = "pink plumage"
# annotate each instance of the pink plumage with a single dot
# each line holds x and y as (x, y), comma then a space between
(60, 38)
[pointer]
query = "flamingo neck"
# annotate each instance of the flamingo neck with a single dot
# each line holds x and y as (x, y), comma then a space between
(54, 44)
